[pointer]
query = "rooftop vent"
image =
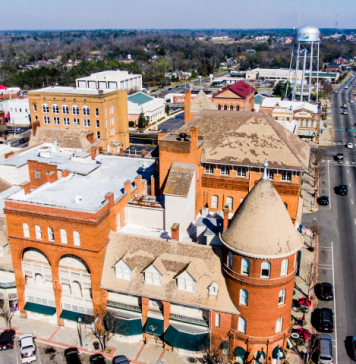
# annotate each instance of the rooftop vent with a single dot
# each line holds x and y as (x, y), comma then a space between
(182, 136)
(78, 199)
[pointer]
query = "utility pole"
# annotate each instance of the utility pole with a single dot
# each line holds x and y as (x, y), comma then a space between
(337, 22)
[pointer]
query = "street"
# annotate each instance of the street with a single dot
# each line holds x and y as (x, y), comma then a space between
(337, 241)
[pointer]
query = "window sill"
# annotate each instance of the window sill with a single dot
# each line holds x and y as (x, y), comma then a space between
(281, 304)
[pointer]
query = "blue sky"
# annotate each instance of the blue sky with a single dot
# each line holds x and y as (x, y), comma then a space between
(158, 14)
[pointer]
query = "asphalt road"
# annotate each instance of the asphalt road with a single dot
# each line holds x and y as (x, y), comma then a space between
(337, 243)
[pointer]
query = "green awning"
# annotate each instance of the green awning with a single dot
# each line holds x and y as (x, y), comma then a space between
(128, 327)
(73, 316)
(44, 310)
(186, 341)
(154, 326)
(240, 352)
(276, 350)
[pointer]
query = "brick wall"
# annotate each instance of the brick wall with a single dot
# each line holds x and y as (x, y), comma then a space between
(42, 176)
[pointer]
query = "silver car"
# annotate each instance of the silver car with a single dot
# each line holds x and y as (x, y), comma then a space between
(27, 348)
(326, 350)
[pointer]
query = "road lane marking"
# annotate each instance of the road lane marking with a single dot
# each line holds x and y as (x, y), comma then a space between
(334, 301)
(352, 202)
(329, 184)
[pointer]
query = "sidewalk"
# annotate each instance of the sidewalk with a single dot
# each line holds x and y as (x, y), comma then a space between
(138, 353)
(308, 192)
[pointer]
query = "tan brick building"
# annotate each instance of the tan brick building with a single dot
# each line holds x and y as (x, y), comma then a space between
(102, 111)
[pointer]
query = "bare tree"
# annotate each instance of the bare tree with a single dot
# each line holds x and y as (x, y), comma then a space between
(315, 230)
(309, 279)
(7, 314)
(312, 346)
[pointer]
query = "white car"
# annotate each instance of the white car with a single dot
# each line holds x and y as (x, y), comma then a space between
(349, 145)
(27, 348)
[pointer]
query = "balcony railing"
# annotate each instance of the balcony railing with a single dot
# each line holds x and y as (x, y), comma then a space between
(7, 284)
(68, 297)
(190, 320)
(74, 274)
(124, 306)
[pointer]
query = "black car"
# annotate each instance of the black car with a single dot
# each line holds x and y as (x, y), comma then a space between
(6, 340)
(323, 200)
(97, 359)
(325, 320)
(120, 359)
(353, 348)
(326, 291)
(342, 190)
(72, 356)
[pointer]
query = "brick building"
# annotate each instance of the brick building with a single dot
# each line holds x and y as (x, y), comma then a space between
(236, 97)
(199, 103)
(102, 111)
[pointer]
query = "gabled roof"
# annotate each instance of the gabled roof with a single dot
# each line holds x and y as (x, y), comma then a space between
(261, 226)
(248, 138)
(157, 263)
(240, 88)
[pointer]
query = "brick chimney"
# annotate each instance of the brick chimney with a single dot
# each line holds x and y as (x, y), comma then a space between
(8, 155)
(143, 153)
(194, 138)
(90, 137)
(127, 186)
(35, 125)
(226, 217)
(153, 186)
(110, 197)
(26, 186)
(65, 173)
(101, 92)
(187, 101)
(138, 180)
(175, 231)
(122, 150)
(51, 177)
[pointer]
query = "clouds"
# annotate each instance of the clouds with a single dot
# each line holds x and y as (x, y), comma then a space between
(158, 14)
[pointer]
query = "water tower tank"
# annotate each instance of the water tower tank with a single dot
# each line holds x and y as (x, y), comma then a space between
(308, 34)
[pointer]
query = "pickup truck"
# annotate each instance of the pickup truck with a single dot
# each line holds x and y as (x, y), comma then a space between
(27, 348)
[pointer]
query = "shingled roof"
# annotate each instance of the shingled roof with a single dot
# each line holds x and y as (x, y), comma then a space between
(240, 88)
(248, 138)
(202, 102)
(175, 256)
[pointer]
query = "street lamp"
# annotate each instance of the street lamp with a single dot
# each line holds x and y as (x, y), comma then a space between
(304, 355)
(79, 320)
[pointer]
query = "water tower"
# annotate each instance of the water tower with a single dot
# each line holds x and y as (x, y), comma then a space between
(305, 59)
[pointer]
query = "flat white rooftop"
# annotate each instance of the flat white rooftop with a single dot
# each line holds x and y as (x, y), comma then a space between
(71, 90)
(109, 76)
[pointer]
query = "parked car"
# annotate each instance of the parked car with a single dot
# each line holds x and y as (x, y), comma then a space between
(24, 140)
(353, 342)
(97, 359)
(326, 291)
(346, 112)
(120, 359)
(326, 350)
(6, 340)
(323, 200)
(325, 320)
(27, 348)
(339, 157)
(72, 356)
(349, 145)
(342, 190)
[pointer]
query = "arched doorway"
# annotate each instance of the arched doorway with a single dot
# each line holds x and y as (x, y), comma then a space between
(75, 279)
(40, 302)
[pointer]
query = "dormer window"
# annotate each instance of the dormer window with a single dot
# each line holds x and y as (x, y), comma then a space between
(153, 278)
(186, 282)
(153, 274)
(213, 289)
(123, 271)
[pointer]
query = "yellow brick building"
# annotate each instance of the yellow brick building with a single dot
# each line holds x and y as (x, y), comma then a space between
(102, 111)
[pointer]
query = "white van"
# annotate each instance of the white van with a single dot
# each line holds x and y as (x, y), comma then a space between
(326, 350)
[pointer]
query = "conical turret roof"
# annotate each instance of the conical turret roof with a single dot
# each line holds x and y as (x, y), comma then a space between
(262, 227)
(202, 102)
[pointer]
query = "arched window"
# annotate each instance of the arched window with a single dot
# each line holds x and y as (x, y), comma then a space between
(45, 108)
(279, 325)
(237, 108)
(286, 176)
(65, 109)
(229, 262)
(242, 325)
(76, 238)
(76, 289)
(75, 110)
(243, 297)
(245, 266)
(40, 283)
(265, 269)
(63, 236)
(209, 169)
(315, 124)
(231, 108)
(38, 232)
(50, 234)
(225, 171)
(86, 110)
(26, 231)
(281, 296)
(241, 172)
(219, 107)
(270, 175)
(225, 107)
(55, 109)
(284, 267)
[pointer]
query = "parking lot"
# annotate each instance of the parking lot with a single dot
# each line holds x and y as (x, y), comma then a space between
(46, 354)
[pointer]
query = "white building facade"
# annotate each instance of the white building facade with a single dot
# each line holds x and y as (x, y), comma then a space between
(17, 111)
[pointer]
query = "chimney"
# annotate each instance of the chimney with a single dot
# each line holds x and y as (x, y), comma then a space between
(127, 186)
(8, 155)
(65, 173)
(194, 138)
(226, 217)
(143, 153)
(153, 186)
(35, 125)
(26, 187)
(138, 180)
(187, 101)
(51, 177)
(175, 231)
(110, 197)
(90, 137)
(122, 150)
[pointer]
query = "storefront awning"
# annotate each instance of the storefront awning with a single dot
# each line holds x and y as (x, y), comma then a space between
(276, 350)
(42, 309)
(240, 352)
(128, 327)
(186, 341)
(73, 316)
(154, 326)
